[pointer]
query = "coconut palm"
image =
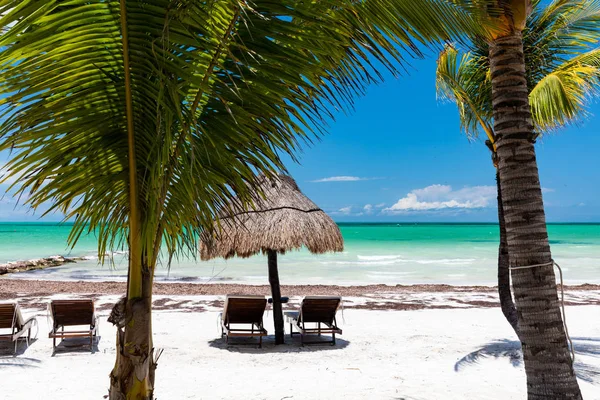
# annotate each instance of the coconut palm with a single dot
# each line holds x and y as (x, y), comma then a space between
(543, 63)
(559, 85)
(139, 119)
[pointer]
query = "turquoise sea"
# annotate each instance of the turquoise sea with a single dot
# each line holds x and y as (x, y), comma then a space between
(374, 253)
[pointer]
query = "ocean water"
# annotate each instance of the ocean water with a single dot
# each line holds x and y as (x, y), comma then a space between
(374, 253)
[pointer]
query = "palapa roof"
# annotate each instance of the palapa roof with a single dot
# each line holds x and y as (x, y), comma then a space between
(284, 220)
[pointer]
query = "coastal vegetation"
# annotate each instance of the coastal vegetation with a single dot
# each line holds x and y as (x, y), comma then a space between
(562, 72)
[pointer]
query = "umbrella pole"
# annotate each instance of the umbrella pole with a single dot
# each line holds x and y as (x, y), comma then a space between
(276, 294)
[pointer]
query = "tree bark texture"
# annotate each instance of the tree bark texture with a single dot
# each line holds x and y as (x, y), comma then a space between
(276, 294)
(132, 378)
(548, 363)
(506, 300)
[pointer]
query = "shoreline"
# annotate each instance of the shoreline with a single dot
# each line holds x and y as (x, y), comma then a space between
(190, 296)
(45, 287)
(13, 267)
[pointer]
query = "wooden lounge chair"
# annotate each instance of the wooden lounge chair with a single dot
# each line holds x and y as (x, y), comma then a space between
(11, 318)
(319, 310)
(70, 313)
(243, 310)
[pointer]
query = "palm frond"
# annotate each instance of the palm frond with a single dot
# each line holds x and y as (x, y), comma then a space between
(462, 79)
(561, 68)
(561, 96)
(219, 91)
(559, 31)
(430, 22)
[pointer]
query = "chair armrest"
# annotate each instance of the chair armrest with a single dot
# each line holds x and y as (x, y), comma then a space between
(28, 323)
(96, 326)
(23, 331)
(224, 326)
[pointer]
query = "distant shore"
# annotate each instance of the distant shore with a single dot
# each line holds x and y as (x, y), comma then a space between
(36, 263)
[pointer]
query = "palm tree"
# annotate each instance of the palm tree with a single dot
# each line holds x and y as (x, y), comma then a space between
(548, 363)
(139, 119)
(558, 88)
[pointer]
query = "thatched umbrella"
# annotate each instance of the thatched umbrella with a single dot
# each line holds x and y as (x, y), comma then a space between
(285, 219)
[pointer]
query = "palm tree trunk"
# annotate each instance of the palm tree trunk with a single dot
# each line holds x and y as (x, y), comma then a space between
(132, 377)
(276, 294)
(548, 363)
(133, 374)
(506, 300)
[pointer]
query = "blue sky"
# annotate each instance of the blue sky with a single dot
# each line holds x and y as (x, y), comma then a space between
(407, 147)
(402, 157)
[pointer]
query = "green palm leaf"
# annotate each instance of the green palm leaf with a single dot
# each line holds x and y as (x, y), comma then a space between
(562, 68)
(561, 96)
(219, 90)
(464, 80)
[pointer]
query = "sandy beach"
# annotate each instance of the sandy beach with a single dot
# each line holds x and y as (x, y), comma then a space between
(399, 342)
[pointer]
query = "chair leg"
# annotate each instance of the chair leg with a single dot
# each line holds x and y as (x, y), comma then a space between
(260, 342)
(333, 339)
(16, 343)
(319, 328)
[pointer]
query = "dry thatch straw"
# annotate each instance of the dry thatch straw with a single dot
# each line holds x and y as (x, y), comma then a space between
(284, 220)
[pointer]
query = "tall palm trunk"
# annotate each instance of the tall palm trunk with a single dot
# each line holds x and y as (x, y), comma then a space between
(548, 363)
(132, 378)
(506, 300)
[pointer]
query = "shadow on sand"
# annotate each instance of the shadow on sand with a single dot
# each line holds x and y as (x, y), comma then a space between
(7, 349)
(20, 362)
(76, 345)
(511, 350)
(292, 345)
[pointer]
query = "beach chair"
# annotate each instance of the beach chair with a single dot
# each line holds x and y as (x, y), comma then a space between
(73, 313)
(319, 310)
(11, 318)
(243, 310)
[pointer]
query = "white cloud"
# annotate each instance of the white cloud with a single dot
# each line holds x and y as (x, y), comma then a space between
(345, 210)
(439, 197)
(433, 191)
(380, 205)
(368, 208)
(343, 179)
(547, 190)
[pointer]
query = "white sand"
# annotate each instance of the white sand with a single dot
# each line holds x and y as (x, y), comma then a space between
(412, 355)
